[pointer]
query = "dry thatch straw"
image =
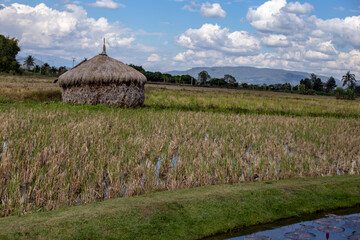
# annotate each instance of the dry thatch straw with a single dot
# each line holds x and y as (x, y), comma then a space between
(103, 80)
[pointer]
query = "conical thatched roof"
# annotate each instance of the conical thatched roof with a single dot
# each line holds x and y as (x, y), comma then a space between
(99, 70)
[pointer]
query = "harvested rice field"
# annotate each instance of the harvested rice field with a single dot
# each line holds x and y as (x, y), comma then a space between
(55, 155)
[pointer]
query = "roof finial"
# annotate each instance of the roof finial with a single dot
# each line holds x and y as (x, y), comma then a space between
(104, 49)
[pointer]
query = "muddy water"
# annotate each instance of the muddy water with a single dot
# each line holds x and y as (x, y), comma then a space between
(339, 224)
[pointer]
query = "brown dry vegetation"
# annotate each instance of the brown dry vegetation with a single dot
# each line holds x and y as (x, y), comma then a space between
(57, 155)
(60, 156)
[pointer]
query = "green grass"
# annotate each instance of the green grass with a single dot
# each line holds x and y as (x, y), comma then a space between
(249, 102)
(189, 213)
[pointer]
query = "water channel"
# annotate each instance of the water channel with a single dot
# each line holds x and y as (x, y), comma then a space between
(332, 225)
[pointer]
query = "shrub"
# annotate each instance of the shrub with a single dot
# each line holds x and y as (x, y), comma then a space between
(339, 92)
(311, 92)
(302, 89)
(350, 95)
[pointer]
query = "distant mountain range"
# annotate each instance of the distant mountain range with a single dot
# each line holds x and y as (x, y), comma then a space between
(252, 75)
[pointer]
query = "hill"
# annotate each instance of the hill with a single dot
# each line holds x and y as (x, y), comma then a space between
(251, 75)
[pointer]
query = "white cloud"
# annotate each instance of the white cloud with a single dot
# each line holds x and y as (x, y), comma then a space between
(192, 7)
(214, 10)
(154, 58)
(67, 33)
(274, 40)
(344, 32)
(214, 37)
(290, 19)
(106, 4)
(314, 55)
(296, 7)
(303, 42)
(280, 16)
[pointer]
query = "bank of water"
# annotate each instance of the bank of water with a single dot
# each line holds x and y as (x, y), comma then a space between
(332, 225)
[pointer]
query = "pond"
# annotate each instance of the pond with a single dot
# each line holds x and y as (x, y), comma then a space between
(340, 224)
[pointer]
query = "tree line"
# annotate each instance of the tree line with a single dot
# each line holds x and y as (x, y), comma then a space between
(314, 85)
(44, 69)
(165, 77)
(9, 49)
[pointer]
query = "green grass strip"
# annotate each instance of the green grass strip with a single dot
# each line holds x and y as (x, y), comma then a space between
(189, 213)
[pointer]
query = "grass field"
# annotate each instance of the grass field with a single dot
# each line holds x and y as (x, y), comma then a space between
(189, 213)
(55, 155)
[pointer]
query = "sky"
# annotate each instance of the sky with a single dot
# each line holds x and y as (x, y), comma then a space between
(319, 36)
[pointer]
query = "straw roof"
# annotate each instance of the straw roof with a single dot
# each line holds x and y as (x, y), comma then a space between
(101, 70)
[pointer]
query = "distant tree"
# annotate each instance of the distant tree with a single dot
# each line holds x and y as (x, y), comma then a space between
(138, 68)
(62, 70)
(166, 77)
(339, 92)
(29, 62)
(8, 50)
(217, 82)
(187, 79)
(318, 85)
(37, 69)
(203, 77)
(349, 79)
(350, 95)
(45, 69)
(357, 90)
(312, 78)
(307, 83)
(158, 77)
(278, 86)
(53, 71)
(286, 86)
(330, 84)
(154, 76)
(229, 79)
(302, 89)
(244, 85)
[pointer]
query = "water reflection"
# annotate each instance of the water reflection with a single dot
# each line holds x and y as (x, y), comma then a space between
(331, 227)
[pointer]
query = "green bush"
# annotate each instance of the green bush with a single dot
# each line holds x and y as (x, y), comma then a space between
(311, 92)
(339, 92)
(350, 95)
(302, 89)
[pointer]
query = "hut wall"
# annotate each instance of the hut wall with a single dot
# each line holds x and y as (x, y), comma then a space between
(126, 94)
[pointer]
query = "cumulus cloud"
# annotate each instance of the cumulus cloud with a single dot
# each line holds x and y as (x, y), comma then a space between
(290, 19)
(274, 40)
(296, 7)
(344, 32)
(154, 58)
(303, 41)
(214, 37)
(280, 16)
(66, 33)
(214, 10)
(106, 4)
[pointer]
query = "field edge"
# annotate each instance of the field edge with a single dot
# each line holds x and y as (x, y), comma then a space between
(188, 213)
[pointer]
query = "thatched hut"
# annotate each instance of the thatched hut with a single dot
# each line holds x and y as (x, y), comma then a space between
(103, 80)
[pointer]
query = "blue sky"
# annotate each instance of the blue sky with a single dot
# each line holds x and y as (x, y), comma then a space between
(313, 36)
